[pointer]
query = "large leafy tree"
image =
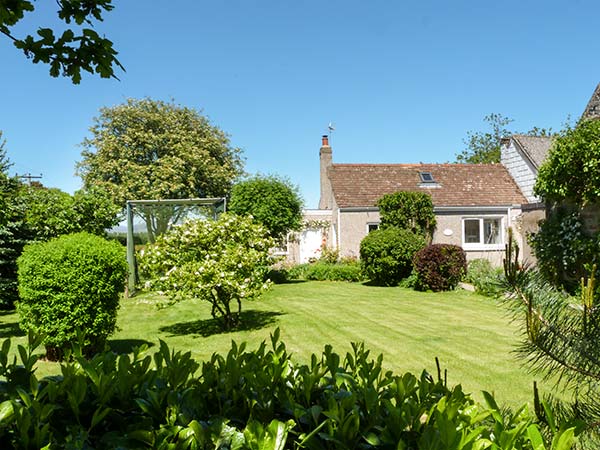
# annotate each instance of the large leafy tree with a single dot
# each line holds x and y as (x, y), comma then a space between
(572, 170)
(483, 147)
(273, 201)
(150, 149)
(77, 48)
(569, 182)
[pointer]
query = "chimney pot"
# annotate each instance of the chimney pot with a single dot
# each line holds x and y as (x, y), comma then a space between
(325, 140)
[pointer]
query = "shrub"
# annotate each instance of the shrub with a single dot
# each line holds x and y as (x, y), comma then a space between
(69, 283)
(323, 271)
(251, 399)
(485, 278)
(223, 262)
(408, 210)
(565, 252)
(386, 254)
(440, 267)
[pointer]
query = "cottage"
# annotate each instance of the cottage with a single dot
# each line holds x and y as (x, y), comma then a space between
(474, 203)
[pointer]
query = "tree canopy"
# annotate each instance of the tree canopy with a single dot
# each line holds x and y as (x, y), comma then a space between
(572, 169)
(408, 210)
(78, 48)
(483, 147)
(273, 201)
(151, 149)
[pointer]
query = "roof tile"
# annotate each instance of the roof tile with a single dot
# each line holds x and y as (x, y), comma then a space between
(360, 185)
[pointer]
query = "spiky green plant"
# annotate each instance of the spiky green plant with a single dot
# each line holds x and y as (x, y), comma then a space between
(561, 343)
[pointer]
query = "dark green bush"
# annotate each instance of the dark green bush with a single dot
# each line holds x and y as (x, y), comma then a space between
(440, 267)
(485, 278)
(565, 252)
(386, 254)
(69, 283)
(258, 399)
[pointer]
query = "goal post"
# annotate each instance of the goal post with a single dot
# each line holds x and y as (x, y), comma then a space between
(158, 216)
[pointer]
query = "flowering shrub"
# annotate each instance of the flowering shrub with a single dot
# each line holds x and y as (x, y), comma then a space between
(221, 261)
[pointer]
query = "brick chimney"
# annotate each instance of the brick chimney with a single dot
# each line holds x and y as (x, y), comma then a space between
(326, 200)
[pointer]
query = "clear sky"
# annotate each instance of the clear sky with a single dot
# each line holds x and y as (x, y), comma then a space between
(402, 81)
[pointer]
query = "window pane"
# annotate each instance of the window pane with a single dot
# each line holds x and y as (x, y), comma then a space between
(472, 231)
(491, 231)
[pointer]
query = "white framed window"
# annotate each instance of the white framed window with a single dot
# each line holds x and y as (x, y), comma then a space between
(372, 226)
(483, 233)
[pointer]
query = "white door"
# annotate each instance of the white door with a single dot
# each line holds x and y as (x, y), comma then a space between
(310, 244)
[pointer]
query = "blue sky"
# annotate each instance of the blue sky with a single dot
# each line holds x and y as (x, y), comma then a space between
(402, 81)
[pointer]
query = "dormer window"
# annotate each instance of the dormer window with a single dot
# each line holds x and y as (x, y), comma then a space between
(426, 177)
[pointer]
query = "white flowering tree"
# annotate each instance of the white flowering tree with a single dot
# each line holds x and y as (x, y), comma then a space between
(223, 262)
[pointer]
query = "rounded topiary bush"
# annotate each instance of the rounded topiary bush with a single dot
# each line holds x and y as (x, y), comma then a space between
(71, 285)
(386, 254)
(440, 267)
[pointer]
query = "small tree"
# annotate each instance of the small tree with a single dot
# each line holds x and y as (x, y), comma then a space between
(408, 210)
(273, 201)
(223, 262)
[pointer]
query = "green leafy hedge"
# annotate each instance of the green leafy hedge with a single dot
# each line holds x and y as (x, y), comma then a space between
(69, 283)
(386, 254)
(323, 271)
(258, 399)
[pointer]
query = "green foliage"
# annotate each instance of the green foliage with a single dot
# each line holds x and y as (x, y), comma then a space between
(272, 201)
(565, 252)
(440, 267)
(258, 399)
(326, 271)
(13, 232)
(76, 49)
(149, 149)
(50, 212)
(561, 336)
(223, 262)
(485, 278)
(386, 254)
(484, 147)
(572, 170)
(69, 283)
(408, 210)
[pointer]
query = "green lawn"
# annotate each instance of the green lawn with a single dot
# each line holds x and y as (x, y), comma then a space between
(471, 335)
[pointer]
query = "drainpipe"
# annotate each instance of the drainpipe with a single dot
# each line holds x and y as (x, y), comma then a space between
(339, 233)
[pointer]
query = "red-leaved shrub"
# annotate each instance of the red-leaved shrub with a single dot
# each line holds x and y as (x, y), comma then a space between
(439, 267)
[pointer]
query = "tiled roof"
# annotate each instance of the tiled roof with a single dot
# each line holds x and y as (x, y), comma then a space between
(360, 185)
(592, 110)
(536, 148)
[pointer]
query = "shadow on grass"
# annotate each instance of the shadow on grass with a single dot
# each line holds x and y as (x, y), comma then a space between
(289, 282)
(249, 321)
(10, 330)
(121, 346)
